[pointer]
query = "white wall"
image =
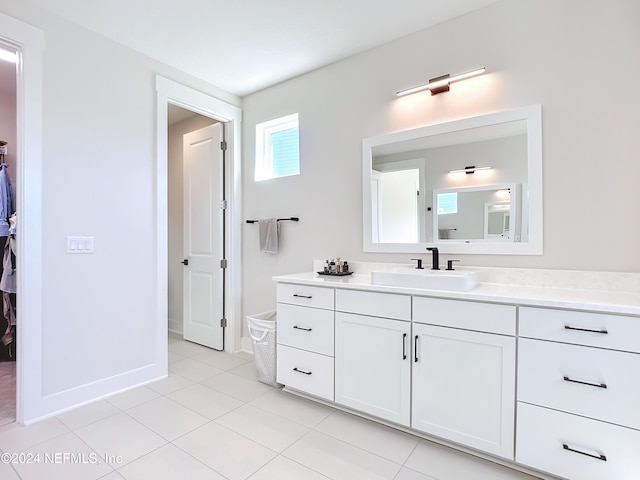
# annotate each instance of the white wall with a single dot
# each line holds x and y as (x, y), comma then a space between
(100, 328)
(176, 214)
(580, 59)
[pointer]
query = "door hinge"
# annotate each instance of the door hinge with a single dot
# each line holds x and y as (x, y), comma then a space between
(223, 263)
(223, 204)
(223, 322)
(223, 145)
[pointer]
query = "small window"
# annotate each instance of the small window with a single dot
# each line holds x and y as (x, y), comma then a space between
(277, 148)
(447, 203)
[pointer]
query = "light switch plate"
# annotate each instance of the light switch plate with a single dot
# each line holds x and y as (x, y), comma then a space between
(79, 244)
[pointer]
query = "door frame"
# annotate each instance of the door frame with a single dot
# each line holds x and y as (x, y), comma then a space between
(172, 92)
(29, 42)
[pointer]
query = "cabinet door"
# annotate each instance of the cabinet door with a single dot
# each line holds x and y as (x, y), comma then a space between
(464, 387)
(373, 365)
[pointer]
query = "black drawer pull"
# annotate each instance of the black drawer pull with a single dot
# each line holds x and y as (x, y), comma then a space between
(590, 330)
(302, 296)
(404, 346)
(296, 369)
(599, 385)
(302, 328)
(415, 349)
(597, 457)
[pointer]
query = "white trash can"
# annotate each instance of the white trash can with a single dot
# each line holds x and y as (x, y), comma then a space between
(262, 329)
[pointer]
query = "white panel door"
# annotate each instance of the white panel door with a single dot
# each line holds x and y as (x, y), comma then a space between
(464, 387)
(203, 236)
(373, 365)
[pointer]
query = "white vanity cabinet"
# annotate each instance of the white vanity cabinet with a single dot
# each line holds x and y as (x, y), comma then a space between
(578, 394)
(373, 353)
(464, 373)
(527, 376)
(305, 336)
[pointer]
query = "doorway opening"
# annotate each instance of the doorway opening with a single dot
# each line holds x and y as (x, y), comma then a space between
(28, 42)
(171, 96)
(8, 181)
(197, 224)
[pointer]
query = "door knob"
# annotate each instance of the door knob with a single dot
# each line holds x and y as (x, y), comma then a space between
(185, 261)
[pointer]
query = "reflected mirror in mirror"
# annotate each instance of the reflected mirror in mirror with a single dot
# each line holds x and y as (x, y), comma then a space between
(469, 186)
(489, 213)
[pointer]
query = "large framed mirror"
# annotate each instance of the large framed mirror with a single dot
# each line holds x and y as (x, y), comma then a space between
(468, 186)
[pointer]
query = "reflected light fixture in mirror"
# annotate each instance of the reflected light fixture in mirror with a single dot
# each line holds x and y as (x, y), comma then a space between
(441, 84)
(470, 170)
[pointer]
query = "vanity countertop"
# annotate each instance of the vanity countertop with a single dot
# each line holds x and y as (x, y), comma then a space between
(606, 301)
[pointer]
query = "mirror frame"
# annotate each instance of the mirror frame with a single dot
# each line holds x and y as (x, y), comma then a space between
(533, 116)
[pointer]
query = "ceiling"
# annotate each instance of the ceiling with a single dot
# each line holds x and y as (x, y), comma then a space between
(243, 46)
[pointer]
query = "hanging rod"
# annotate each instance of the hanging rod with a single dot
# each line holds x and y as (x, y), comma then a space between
(293, 219)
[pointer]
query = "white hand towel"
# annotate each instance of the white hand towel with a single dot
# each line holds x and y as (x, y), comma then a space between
(268, 232)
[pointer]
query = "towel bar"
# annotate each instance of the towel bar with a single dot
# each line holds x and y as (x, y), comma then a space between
(293, 219)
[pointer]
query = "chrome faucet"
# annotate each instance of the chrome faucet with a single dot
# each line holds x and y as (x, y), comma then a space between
(435, 258)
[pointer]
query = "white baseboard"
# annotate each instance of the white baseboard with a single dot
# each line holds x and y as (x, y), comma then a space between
(247, 346)
(67, 400)
(176, 326)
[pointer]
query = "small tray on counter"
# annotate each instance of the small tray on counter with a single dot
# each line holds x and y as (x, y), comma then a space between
(336, 274)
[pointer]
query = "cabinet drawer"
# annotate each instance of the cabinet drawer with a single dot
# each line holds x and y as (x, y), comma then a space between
(607, 452)
(588, 381)
(306, 328)
(482, 317)
(317, 297)
(581, 328)
(308, 372)
(386, 305)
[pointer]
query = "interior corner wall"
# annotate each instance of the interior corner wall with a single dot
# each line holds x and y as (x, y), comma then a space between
(176, 214)
(557, 54)
(100, 326)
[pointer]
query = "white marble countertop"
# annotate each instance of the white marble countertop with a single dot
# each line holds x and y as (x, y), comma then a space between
(608, 301)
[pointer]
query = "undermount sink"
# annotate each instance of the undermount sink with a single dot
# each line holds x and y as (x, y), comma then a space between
(453, 280)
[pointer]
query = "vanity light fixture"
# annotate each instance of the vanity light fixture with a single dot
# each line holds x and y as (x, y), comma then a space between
(441, 84)
(470, 170)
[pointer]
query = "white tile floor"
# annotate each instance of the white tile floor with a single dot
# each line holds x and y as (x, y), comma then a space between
(212, 420)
